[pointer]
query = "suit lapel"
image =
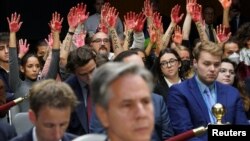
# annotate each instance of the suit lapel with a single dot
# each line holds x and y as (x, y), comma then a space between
(195, 92)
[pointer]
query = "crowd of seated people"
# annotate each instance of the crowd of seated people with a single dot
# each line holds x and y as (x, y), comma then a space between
(182, 72)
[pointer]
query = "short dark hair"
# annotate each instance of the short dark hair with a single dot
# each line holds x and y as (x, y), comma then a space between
(79, 57)
(124, 54)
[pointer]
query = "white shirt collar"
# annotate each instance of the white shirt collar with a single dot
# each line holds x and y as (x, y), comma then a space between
(170, 84)
(34, 135)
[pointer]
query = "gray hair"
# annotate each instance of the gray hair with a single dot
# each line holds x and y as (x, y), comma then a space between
(109, 72)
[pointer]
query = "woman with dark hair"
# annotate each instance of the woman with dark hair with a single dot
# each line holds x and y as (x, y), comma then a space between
(166, 71)
(227, 75)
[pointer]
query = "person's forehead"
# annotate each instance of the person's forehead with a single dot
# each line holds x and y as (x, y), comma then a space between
(100, 35)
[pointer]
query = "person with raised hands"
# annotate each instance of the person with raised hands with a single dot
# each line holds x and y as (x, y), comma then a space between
(134, 23)
(186, 28)
(23, 48)
(93, 22)
(221, 34)
(175, 19)
(29, 64)
(196, 14)
(76, 16)
(111, 20)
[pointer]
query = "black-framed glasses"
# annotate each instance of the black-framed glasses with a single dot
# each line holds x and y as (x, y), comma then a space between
(171, 62)
(99, 40)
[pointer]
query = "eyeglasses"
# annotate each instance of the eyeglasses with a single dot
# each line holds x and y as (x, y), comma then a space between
(223, 70)
(99, 40)
(171, 62)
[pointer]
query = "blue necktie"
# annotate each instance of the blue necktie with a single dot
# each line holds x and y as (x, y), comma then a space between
(210, 102)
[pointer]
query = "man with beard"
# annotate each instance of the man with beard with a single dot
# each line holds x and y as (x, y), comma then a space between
(190, 102)
(100, 43)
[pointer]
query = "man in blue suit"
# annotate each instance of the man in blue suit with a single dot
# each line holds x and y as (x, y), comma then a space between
(51, 104)
(81, 63)
(162, 128)
(190, 102)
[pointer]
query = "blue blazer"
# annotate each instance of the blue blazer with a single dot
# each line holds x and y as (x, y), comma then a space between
(7, 131)
(79, 118)
(188, 110)
(163, 128)
(28, 137)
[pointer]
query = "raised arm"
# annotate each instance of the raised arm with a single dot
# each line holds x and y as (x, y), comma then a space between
(76, 16)
(196, 15)
(55, 26)
(175, 19)
(188, 19)
(138, 37)
(129, 24)
(14, 26)
(226, 4)
(111, 22)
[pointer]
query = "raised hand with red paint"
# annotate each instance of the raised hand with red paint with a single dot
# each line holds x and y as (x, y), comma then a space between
(196, 13)
(14, 22)
(189, 5)
(104, 11)
(157, 20)
(148, 8)
(72, 17)
(129, 21)
(139, 22)
(79, 39)
(112, 17)
(56, 22)
(177, 36)
(221, 35)
(81, 12)
(49, 41)
(23, 47)
(175, 12)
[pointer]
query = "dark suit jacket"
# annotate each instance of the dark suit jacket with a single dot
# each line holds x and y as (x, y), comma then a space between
(7, 131)
(28, 137)
(163, 128)
(79, 118)
(188, 110)
(161, 87)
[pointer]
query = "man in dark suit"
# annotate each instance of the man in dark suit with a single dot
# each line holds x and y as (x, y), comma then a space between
(190, 102)
(51, 104)
(123, 101)
(81, 63)
(163, 128)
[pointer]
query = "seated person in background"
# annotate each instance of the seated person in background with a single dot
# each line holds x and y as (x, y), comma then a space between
(190, 102)
(123, 95)
(51, 104)
(7, 131)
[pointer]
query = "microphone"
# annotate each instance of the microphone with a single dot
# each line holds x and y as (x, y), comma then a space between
(12, 103)
(188, 134)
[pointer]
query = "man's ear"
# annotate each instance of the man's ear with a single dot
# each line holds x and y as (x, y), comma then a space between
(32, 116)
(102, 115)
